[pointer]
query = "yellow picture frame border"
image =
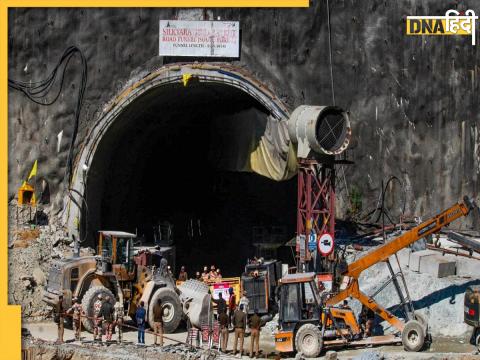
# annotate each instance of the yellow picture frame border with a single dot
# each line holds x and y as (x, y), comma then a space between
(10, 315)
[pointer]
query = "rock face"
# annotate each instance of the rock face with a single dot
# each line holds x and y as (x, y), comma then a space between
(413, 100)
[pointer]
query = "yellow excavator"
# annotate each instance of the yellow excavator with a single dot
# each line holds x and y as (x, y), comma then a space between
(311, 321)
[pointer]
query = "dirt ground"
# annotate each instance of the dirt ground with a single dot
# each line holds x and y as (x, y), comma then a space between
(441, 348)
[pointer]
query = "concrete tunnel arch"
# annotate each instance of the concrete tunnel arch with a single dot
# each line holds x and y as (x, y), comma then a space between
(224, 75)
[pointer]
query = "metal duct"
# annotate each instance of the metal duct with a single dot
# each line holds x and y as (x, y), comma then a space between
(319, 129)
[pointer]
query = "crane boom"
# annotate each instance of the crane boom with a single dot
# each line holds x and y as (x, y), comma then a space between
(384, 251)
(428, 227)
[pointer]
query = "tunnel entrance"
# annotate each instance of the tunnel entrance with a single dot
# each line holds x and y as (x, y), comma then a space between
(176, 157)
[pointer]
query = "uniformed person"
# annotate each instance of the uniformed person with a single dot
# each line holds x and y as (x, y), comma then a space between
(97, 321)
(60, 315)
(77, 313)
(158, 322)
(223, 320)
(255, 325)
(239, 324)
(119, 313)
(106, 313)
(221, 304)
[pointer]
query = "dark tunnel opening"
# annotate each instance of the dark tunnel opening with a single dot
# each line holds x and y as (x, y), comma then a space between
(179, 155)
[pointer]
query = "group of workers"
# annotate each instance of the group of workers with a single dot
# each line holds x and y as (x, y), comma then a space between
(108, 317)
(236, 319)
(213, 275)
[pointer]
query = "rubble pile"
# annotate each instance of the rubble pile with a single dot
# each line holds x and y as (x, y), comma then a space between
(126, 351)
(29, 264)
(190, 353)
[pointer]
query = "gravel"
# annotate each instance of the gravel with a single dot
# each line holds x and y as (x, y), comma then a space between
(28, 266)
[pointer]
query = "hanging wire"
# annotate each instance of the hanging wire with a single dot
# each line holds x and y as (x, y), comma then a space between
(330, 52)
(37, 92)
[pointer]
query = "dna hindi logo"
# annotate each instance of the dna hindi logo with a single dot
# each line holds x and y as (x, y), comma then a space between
(453, 23)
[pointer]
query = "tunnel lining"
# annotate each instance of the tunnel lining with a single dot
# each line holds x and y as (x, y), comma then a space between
(225, 74)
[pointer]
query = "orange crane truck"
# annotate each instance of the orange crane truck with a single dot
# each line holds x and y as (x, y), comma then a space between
(310, 321)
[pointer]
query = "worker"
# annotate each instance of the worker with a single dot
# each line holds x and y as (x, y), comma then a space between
(244, 301)
(182, 276)
(366, 320)
(60, 316)
(158, 322)
(205, 274)
(119, 313)
(255, 325)
(212, 275)
(97, 322)
(221, 304)
(140, 319)
(239, 324)
(223, 321)
(232, 304)
(106, 313)
(198, 276)
(370, 323)
(219, 275)
(77, 312)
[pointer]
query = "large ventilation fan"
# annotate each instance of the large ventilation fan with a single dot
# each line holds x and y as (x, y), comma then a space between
(323, 130)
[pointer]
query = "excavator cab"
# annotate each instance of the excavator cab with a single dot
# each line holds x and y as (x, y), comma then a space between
(299, 300)
(299, 315)
(303, 317)
(116, 249)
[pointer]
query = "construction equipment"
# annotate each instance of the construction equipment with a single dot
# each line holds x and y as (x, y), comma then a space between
(310, 322)
(260, 281)
(124, 273)
(216, 287)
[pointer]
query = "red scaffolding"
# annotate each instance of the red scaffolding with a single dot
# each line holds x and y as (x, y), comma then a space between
(315, 205)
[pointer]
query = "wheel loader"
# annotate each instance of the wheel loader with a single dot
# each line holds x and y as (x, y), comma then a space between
(127, 274)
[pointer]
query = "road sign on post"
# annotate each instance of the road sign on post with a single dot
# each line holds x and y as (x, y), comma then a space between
(325, 244)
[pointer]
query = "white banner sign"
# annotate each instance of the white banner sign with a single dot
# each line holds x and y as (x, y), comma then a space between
(199, 38)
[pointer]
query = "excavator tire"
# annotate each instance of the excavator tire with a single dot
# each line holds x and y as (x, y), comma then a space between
(308, 341)
(172, 309)
(88, 301)
(413, 336)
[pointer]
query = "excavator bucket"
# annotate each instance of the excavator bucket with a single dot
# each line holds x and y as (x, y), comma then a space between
(196, 302)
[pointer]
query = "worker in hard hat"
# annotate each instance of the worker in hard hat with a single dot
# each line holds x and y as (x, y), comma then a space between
(77, 312)
(212, 275)
(182, 275)
(119, 313)
(205, 274)
(97, 321)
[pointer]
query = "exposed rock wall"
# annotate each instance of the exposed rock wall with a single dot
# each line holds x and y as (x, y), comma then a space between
(414, 100)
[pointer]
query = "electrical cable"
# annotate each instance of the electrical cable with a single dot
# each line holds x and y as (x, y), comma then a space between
(330, 52)
(37, 90)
